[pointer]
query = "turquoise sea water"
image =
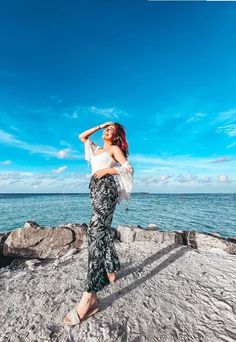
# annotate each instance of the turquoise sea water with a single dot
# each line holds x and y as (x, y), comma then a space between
(201, 212)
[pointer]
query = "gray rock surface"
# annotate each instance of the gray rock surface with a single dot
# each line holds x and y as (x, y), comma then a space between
(210, 242)
(152, 226)
(127, 234)
(164, 292)
(34, 241)
(214, 243)
(30, 224)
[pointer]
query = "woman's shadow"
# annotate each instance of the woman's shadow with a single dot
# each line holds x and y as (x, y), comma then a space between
(107, 301)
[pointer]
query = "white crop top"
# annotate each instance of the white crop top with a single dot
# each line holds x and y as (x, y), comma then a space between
(102, 161)
(124, 180)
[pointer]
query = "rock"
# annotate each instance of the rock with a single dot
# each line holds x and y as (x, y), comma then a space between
(34, 241)
(232, 239)
(31, 263)
(151, 226)
(37, 242)
(215, 234)
(73, 225)
(131, 226)
(79, 235)
(159, 237)
(3, 237)
(209, 242)
(31, 224)
(4, 260)
(69, 254)
(128, 234)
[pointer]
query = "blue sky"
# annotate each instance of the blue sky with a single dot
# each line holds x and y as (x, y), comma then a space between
(165, 70)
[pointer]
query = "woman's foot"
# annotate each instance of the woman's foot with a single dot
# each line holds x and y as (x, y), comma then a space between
(111, 277)
(87, 301)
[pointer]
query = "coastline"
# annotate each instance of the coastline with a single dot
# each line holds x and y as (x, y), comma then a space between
(31, 240)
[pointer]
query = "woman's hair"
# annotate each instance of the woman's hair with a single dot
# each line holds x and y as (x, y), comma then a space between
(120, 139)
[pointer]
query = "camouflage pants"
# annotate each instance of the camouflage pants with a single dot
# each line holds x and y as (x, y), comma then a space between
(102, 256)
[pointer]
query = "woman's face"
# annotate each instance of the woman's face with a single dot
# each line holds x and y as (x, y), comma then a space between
(109, 133)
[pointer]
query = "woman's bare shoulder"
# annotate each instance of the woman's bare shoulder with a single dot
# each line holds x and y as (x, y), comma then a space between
(116, 148)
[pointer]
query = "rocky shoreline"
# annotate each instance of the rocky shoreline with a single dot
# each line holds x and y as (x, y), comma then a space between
(173, 285)
(33, 241)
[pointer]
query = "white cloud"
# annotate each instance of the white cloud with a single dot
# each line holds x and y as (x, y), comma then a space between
(222, 159)
(73, 115)
(42, 182)
(110, 113)
(10, 140)
(15, 129)
(231, 145)
(78, 182)
(63, 153)
(196, 117)
(223, 179)
(229, 115)
(60, 169)
(44, 150)
(185, 178)
(14, 175)
(74, 174)
(6, 162)
(156, 180)
(205, 179)
(183, 173)
(65, 143)
(78, 111)
(155, 164)
(229, 130)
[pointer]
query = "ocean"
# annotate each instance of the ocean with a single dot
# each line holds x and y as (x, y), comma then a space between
(215, 213)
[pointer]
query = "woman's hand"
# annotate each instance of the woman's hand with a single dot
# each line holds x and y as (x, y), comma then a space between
(106, 124)
(100, 173)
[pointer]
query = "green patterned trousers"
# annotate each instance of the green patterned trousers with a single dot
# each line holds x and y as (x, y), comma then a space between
(102, 256)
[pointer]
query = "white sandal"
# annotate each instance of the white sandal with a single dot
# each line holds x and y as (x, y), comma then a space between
(74, 316)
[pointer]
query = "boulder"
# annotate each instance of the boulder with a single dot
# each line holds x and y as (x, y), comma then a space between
(152, 226)
(34, 241)
(209, 242)
(29, 224)
(232, 239)
(159, 237)
(126, 234)
(137, 234)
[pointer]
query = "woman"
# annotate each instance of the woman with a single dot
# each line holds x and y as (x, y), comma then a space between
(110, 183)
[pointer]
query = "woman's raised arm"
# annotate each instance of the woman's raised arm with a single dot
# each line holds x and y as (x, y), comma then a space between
(84, 136)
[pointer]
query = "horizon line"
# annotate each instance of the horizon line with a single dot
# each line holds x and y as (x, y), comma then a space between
(139, 192)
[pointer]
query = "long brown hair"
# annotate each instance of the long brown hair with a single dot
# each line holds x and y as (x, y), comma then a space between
(120, 139)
